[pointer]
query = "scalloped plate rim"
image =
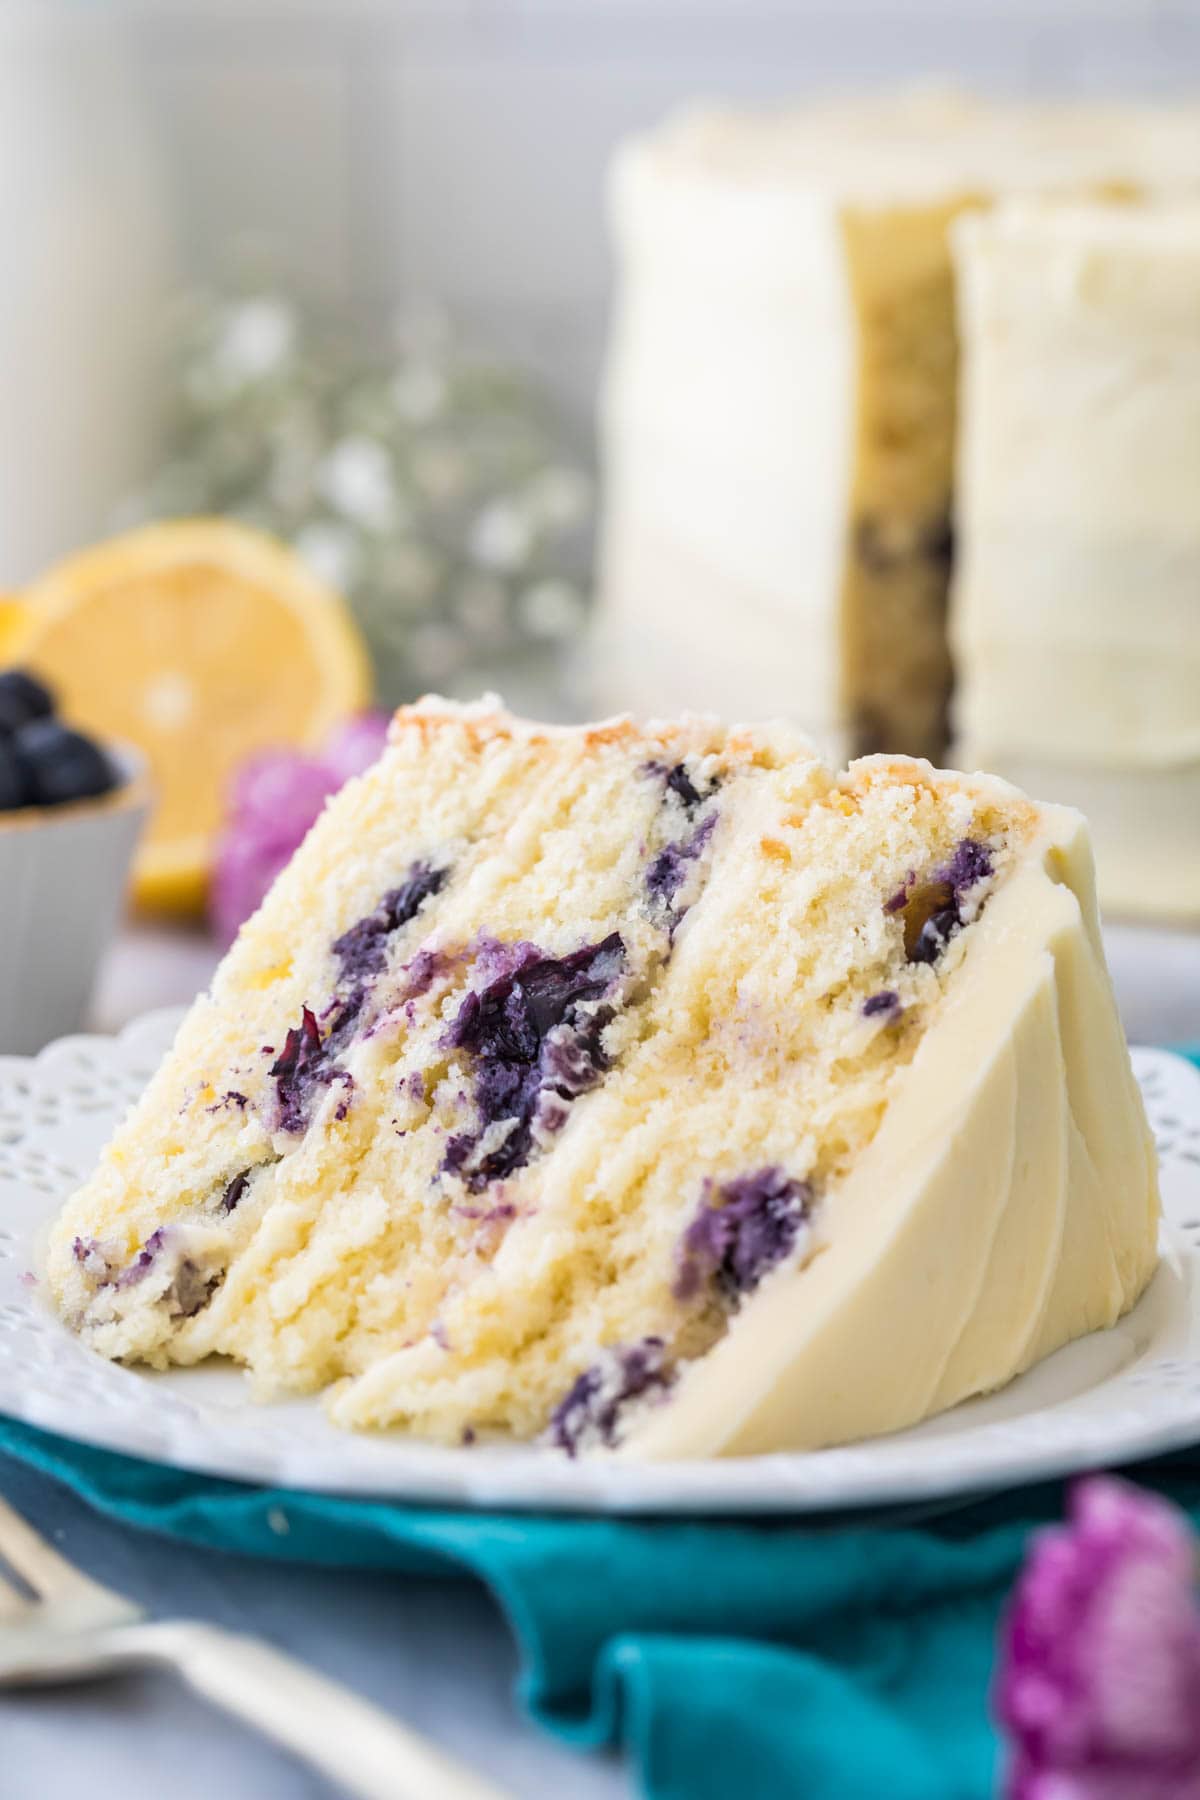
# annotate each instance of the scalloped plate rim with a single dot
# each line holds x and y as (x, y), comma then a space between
(1059, 1418)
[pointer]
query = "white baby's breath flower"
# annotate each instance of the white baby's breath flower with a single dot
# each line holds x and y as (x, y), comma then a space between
(501, 536)
(331, 552)
(551, 609)
(358, 481)
(429, 485)
(256, 339)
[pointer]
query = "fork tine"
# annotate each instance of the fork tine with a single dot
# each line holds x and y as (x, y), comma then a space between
(12, 1604)
(49, 1574)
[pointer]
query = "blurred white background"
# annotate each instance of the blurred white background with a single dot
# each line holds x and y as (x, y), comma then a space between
(457, 147)
(378, 150)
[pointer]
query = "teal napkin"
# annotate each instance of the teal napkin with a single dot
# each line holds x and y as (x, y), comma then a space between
(731, 1658)
(757, 1659)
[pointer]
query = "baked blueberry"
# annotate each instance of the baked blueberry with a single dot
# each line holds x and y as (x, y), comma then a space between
(536, 1036)
(742, 1229)
(61, 764)
(591, 1408)
(934, 935)
(22, 698)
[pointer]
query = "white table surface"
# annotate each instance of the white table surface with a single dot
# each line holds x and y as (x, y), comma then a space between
(437, 1652)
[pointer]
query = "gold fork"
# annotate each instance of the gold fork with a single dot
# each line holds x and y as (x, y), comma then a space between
(68, 1628)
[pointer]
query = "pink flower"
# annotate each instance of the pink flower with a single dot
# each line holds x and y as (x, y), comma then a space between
(1099, 1680)
(354, 746)
(273, 799)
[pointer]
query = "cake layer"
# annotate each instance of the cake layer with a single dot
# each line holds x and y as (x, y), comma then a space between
(599, 1082)
(1075, 623)
(778, 411)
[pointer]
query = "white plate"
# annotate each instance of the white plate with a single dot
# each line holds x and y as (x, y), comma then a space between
(1112, 1397)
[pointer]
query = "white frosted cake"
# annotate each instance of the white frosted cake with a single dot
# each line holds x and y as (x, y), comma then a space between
(778, 416)
(1076, 609)
(645, 1087)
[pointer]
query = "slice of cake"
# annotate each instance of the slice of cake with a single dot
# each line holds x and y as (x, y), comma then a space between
(778, 414)
(1076, 606)
(648, 1086)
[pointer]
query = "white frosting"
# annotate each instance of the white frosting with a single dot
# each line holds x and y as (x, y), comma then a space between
(725, 416)
(922, 144)
(1075, 619)
(731, 387)
(1007, 1204)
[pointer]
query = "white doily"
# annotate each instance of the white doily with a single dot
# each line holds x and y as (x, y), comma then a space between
(1117, 1395)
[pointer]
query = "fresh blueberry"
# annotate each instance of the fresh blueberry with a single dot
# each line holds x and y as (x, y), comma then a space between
(22, 698)
(61, 764)
(14, 779)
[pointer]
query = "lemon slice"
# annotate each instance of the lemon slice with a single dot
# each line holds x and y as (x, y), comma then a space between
(199, 641)
(12, 624)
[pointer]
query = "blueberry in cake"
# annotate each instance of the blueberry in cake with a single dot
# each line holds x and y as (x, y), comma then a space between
(1078, 470)
(656, 1088)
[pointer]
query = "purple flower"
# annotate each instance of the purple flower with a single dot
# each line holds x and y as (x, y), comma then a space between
(274, 798)
(355, 745)
(1098, 1687)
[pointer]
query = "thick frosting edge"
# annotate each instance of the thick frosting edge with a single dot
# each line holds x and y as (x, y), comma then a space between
(1008, 1203)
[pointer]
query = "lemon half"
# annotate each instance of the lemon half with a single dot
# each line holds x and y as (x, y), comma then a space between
(200, 642)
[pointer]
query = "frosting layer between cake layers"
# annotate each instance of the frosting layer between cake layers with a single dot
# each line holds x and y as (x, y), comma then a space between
(1075, 618)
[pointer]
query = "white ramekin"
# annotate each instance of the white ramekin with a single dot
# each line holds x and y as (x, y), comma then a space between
(64, 873)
